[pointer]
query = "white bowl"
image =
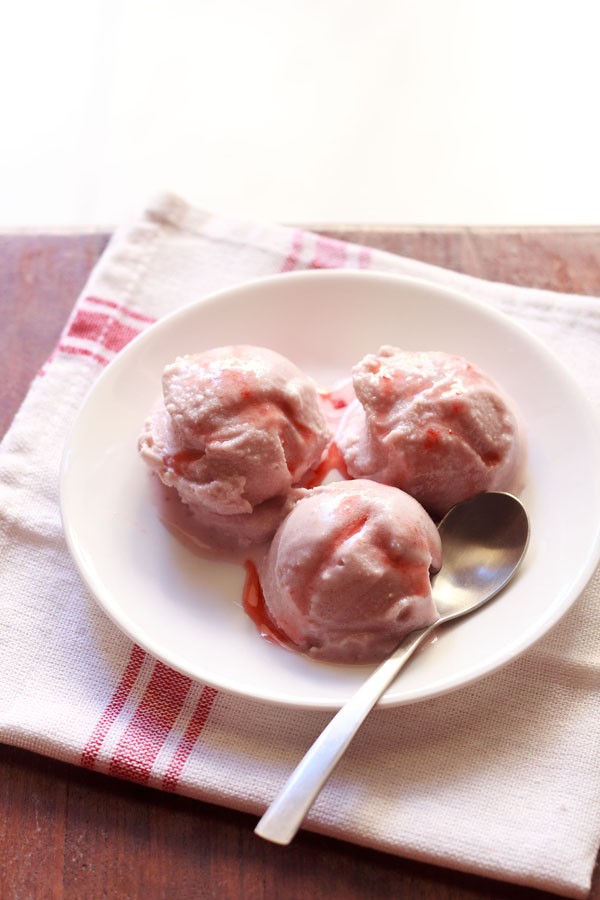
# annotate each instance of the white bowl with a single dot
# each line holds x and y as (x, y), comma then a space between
(187, 611)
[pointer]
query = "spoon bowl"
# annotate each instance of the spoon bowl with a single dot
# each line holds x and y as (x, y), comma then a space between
(484, 540)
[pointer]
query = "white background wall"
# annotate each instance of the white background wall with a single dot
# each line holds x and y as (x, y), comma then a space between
(413, 111)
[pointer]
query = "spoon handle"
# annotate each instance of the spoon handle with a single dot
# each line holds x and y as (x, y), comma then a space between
(284, 816)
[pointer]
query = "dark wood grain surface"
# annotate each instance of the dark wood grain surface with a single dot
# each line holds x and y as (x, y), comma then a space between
(73, 834)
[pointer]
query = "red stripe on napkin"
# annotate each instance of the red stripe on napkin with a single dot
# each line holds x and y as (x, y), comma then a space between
(111, 304)
(190, 736)
(116, 704)
(330, 253)
(82, 351)
(293, 257)
(151, 724)
(102, 328)
(364, 258)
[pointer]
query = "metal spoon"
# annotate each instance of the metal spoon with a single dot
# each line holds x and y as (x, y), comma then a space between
(483, 542)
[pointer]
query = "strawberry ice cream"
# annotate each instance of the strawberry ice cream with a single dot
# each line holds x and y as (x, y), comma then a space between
(347, 574)
(433, 425)
(237, 430)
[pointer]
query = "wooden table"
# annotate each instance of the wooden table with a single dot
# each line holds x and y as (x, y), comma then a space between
(73, 834)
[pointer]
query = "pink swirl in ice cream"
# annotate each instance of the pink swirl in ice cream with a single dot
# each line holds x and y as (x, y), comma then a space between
(347, 574)
(238, 429)
(433, 425)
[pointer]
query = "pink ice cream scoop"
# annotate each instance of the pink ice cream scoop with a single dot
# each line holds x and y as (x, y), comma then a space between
(237, 429)
(347, 574)
(434, 425)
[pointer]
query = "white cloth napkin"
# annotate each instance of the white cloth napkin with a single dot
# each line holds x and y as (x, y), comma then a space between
(501, 778)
